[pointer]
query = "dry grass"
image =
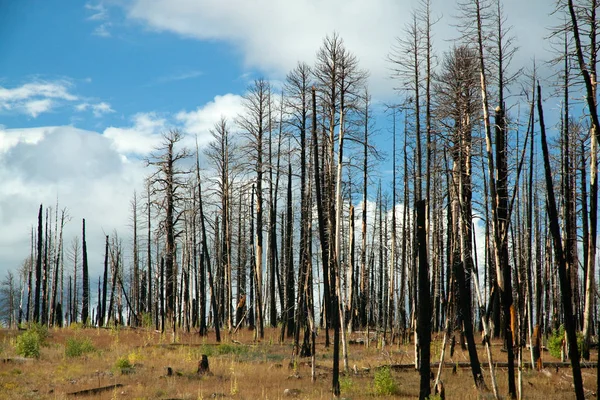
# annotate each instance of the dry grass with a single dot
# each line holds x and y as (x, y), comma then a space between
(240, 370)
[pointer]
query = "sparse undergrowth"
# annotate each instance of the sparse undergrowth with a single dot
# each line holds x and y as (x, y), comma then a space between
(555, 341)
(384, 383)
(28, 344)
(123, 365)
(240, 367)
(78, 346)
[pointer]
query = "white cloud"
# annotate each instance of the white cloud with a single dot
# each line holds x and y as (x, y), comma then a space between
(56, 90)
(139, 139)
(102, 30)
(36, 97)
(99, 11)
(145, 133)
(273, 35)
(97, 109)
(11, 137)
(78, 166)
(200, 121)
(93, 174)
(36, 107)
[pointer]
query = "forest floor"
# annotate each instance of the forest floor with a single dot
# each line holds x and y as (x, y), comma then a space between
(240, 368)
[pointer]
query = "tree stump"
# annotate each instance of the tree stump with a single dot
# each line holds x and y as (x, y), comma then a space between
(203, 367)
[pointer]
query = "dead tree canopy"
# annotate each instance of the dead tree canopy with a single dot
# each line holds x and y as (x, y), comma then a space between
(168, 183)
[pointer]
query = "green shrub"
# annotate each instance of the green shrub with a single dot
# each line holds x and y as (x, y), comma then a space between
(227, 348)
(147, 320)
(384, 384)
(42, 332)
(346, 384)
(76, 347)
(28, 344)
(205, 349)
(556, 338)
(123, 365)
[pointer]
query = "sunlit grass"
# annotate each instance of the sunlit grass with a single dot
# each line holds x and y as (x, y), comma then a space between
(239, 368)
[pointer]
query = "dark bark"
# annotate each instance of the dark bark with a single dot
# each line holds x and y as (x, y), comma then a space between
(206, 254)
(424, 323)
(289, 268)
(503, 222)
(45, 272)
(566, 294)
(324, 237)
(85, 299)
(102, 311)
(38, 270)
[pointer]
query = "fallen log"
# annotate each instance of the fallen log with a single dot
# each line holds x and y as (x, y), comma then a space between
(97, 390)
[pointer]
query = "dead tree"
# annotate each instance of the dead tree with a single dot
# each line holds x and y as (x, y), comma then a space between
(565, 286)
(424, 323)
(584, 20)
(222, 151)
(254, 123)
(205, 258)
(168, 182)
(297, 90)
(38, 270)
(85, 299)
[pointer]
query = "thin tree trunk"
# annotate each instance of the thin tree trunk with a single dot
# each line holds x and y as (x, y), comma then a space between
(424, 325)
(38, 270)
(85, 306)
(562, 268)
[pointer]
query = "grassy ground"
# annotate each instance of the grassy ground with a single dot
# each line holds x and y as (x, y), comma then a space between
(240, 369)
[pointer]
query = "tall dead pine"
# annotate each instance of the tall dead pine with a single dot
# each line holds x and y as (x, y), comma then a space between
(565, 286)
(424, 322)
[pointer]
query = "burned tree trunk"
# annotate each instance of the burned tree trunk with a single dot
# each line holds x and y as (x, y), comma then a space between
(562, 268)
(424, 324)
(85, 299)
(38, 270)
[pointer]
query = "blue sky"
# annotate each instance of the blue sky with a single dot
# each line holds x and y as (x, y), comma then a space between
(86, 88)
(104, 57)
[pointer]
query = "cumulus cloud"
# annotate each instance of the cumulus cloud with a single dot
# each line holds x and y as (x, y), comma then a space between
(9, 138)
(78, 167)
(273, 35)
(143, 136)
(199, 122)
(146, 131)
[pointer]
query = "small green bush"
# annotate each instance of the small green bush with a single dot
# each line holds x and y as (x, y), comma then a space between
(76, 347)
(205, 349)
(123, 365)
(556, 338)
(28, 344)
(346, 384)
(147, 320)
(227, 348)
(42, 332)
(384, 384)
